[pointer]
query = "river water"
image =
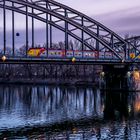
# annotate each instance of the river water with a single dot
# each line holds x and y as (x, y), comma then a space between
(42, 112)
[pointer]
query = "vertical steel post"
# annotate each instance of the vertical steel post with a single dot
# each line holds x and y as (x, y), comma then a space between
(50, 32)
(32, 29)
(135, 45)
(125, 51)
(112, 41)
(13, 31)
(47, 29)
(4, 27)
(128, 47)
(66, 33)
(97, 42)
(82, 37)
(27, 30)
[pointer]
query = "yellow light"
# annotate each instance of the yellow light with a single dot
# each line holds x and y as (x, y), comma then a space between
(74, 130)
(136, 75)
(102, 74)
(3, 58)
(132, 55)
(138, 57)
(73, 59)
(137, 106)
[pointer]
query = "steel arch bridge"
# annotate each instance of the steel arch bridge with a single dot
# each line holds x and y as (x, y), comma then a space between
(90, 34)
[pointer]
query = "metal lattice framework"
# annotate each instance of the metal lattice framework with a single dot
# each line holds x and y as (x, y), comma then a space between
(68, 20)
(135, 42)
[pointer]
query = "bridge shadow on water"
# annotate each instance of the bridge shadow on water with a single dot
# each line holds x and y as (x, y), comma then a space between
(50, 112)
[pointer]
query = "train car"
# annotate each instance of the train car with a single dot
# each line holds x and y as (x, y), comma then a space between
(120, 53)
(77, 54)
(69, 53)
(101, 55)
(35, 52)
(108, 55)
(89, 54)
(56, 53)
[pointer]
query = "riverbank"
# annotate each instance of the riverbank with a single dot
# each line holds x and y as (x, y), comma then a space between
(65, 82)
(50, 74)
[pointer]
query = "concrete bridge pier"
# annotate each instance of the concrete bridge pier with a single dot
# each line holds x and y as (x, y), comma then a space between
(115, 76)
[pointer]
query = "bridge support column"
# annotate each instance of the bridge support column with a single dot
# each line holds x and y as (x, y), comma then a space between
(115, 76)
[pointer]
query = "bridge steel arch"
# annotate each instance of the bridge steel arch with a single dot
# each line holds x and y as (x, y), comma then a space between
(135, 42)
(133, 46)
(53, 14)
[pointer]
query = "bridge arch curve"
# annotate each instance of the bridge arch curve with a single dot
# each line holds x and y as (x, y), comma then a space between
(91, 29)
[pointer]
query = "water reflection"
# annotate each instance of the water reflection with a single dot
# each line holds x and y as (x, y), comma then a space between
(68, 113)
(116, 105)
(39, 104)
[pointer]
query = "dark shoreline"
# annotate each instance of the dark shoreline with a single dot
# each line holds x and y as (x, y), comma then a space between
(49, 82)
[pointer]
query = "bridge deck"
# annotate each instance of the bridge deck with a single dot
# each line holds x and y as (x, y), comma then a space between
(65, 61)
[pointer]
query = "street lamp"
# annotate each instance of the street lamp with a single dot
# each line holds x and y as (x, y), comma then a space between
(3, 58)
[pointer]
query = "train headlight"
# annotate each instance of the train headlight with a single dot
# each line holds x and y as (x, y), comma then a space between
(73, 59)
(3, 58)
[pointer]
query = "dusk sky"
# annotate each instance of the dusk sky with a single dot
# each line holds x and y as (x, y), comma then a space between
(122, 16)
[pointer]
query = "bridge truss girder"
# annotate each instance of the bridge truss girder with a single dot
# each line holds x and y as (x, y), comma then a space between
(135, 42)
(67, 20)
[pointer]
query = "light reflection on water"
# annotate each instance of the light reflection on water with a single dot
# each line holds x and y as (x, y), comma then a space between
(104, 115)
(33, 105)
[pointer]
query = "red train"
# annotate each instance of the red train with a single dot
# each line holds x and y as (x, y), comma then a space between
(53, 53)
